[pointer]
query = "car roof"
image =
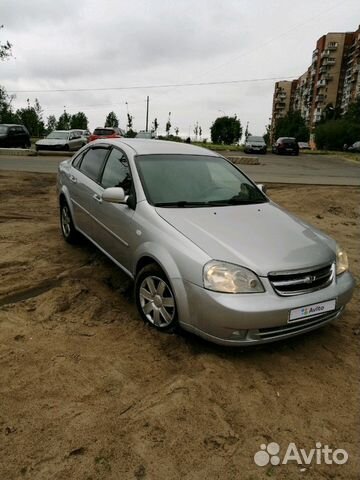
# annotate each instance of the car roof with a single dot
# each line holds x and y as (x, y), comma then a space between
(142, 146)
(11, 125)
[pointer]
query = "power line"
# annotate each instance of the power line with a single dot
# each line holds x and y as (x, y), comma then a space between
(139, 87)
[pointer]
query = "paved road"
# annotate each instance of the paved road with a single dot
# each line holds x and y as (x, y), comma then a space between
(306, 169)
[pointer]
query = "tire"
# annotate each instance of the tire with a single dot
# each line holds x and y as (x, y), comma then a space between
(155, 299)
(70, 234)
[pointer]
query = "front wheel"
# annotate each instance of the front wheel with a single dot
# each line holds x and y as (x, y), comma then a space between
(70, 234)
(155, 299)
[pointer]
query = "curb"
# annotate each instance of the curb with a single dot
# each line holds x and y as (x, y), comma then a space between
(28, 152)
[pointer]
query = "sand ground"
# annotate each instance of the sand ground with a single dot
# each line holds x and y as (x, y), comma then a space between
(88, 392)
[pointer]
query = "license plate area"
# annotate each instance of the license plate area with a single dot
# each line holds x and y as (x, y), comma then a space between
(310, 311)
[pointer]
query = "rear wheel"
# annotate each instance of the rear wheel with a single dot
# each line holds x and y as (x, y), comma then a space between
(155, 299)
(70, 234)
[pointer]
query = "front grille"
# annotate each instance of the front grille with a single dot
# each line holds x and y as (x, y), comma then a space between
(294, 328)
(300, 282)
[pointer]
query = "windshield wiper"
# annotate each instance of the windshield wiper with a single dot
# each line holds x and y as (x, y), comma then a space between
(181, 204)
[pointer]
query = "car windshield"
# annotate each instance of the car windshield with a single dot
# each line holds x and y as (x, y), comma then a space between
(256, 139)
(3, 129)
(102, 132)
(194, 181)
(58, 135)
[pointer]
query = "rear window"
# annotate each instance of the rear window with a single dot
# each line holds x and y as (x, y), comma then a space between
(92, 162)
(103, 131)
(288, 141)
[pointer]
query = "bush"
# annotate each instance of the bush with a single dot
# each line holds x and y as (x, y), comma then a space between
(334, 134)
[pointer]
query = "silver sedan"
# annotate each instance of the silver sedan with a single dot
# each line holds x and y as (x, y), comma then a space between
(207, 249)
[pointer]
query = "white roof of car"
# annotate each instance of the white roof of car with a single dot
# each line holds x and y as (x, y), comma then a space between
(142, 146)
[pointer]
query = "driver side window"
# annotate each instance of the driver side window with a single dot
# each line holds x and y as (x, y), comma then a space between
(117, 172)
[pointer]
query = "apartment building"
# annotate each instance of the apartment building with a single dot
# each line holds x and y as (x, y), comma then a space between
(332, 80)
(351, 88)
(283, 99)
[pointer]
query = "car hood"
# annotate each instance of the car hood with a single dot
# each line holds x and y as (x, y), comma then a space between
(52, 141)
(262, 237)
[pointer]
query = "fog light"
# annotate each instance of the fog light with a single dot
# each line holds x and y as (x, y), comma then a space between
(238, 334)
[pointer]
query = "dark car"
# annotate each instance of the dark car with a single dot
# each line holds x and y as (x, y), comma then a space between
(14, 136)
(106, 132)
(286, 146)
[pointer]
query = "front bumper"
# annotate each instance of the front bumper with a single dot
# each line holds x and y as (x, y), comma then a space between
(244, 319)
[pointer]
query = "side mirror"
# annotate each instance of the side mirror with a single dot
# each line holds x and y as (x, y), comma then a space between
(114, 195)
(262, 187)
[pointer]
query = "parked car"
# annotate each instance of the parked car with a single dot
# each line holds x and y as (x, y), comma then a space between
(85, 134)
(106, 132)
(255, 144)
(61, 140)
(286, 146)
(355, 147)
(304, 146)
(14, 136)
(207, 249)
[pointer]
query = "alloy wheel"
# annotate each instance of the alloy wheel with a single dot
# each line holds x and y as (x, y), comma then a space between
(157, 301)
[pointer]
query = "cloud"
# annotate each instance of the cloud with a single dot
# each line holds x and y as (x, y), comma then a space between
(91, 44)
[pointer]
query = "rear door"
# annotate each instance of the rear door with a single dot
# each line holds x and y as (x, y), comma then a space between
(84, 175)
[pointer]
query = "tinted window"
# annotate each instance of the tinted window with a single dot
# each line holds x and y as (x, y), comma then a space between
(103, 131)
(92, 162)
(3, 129)
(117, 172)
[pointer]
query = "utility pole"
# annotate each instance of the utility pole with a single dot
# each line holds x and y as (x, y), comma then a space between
(147, 113)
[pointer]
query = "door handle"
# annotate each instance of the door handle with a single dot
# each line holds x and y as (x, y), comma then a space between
(97, 198)
(72, 178)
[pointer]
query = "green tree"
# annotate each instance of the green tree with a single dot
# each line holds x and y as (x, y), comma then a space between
(5, 48)
(168, 125)
(31, 117)
(51, 123)
(64, 121)
(155, 125)
(111, 120)
(334, 134)
(267, 134)
(129, 122)
(226, 130)
(292, 125)
(353, 113)
(79, 120)
(6, 112)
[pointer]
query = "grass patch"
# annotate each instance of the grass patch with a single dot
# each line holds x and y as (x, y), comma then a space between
(219, 147)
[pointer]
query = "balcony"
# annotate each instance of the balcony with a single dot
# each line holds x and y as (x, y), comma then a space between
(321, 83)
(323, 69)
(332, 46)
(329, 61)
(325, 54)
(319, 98)
(317, 117)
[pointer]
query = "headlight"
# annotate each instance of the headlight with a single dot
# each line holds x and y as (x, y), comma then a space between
(342, 262)
(230, 278)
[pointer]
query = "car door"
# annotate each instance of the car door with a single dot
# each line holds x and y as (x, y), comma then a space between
(83, 178)
(115, 231)
(12, 139)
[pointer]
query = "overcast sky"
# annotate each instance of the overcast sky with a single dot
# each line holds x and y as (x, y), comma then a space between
(86, 44)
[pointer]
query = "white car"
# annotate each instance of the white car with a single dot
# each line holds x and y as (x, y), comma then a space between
(62, 140)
